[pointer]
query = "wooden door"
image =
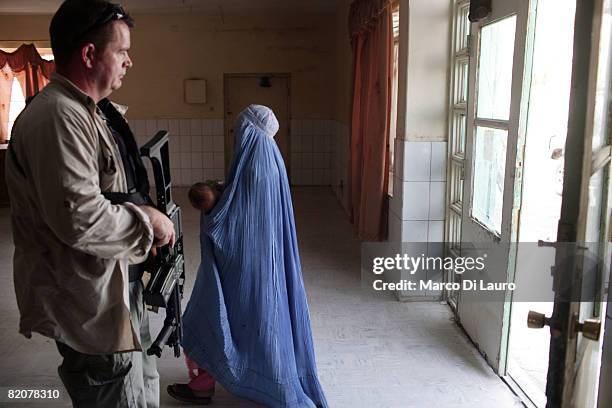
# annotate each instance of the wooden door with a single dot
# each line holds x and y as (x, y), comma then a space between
(271, 90)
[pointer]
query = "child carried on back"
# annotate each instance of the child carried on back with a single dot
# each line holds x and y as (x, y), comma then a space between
(204, 196)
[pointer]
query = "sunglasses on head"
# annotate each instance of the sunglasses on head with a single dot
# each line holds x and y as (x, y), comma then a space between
(111, 13)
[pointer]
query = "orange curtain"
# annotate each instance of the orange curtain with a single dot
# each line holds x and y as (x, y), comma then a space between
(32, 72)
(371, 28)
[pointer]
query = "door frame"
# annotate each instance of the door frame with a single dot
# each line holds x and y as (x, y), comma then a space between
(521, 141)
(579, 168)
(457, 105)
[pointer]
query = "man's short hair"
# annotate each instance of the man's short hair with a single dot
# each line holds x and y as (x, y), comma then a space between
(77, 22)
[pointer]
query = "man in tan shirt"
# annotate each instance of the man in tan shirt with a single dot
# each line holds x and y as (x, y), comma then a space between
(72, 245)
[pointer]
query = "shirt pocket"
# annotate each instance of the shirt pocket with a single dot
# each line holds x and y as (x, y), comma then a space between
(107, 369)
(109, 168)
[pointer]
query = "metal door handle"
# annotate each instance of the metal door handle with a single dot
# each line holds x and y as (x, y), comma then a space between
(590, 328)
(537, 320)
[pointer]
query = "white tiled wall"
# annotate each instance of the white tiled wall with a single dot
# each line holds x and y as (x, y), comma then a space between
(418, 206)
(197, 148)
(340, 162)
(418, 202)
(311, 151)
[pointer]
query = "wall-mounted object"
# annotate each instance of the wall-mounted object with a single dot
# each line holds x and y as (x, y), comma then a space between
(479, 10)
(264, 82)
(195, 91)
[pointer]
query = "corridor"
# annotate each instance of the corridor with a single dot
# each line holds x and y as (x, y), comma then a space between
(372, 351)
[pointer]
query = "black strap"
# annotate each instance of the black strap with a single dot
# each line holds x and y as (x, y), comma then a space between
(120, 125)
(136, 173)
(136, 198)
(135, 271)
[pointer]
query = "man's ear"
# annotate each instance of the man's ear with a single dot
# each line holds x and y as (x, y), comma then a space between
(88, 54)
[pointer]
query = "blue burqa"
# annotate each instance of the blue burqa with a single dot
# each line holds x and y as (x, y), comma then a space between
(247, 321)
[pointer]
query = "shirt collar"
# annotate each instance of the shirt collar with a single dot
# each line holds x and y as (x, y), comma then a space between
(122, 109)
(69, 86)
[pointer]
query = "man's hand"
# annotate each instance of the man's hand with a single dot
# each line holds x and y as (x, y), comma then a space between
(163, 229)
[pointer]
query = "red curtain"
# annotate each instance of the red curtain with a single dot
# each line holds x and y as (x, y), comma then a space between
(32, 72)
(371, 28)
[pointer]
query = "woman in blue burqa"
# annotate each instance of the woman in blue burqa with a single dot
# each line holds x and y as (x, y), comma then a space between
(247, 322)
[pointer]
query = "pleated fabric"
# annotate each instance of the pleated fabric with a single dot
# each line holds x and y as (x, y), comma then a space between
(247, 321)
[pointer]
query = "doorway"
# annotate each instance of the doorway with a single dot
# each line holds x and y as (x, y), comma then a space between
(542, 189)
(271, 90)
(537, 173)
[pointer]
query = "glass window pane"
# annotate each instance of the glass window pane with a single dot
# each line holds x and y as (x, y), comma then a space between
(16, 92)
(495, 69)
(603, 93)
(393, 125)
(16, 105)
(462, 27)
(461, 80)
(489, 172)
(458, 133)
(595, 239)
(456, 184)
(455, 231)
(395, 18)
(594, 217)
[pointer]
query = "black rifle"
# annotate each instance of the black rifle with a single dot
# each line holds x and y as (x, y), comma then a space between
(165, 287)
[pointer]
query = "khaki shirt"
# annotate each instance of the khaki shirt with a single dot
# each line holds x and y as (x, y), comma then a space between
(72, 246)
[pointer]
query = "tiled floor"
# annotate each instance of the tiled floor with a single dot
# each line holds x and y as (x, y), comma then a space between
(371, 351)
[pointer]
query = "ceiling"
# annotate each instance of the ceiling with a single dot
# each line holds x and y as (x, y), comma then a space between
(211, 7)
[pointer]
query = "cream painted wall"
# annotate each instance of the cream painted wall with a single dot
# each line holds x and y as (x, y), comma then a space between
(424, 66)
(166, 49)
(417, 208)
(25, 28)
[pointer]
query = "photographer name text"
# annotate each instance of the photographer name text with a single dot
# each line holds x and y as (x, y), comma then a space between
(468, 285)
